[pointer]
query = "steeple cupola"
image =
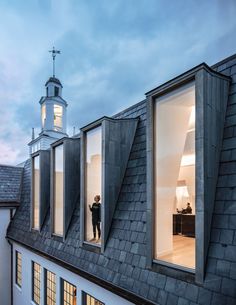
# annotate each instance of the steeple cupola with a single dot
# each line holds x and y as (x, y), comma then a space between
(53, 113)
(53, 109)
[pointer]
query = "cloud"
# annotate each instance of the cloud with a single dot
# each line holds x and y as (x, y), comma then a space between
(112, 53)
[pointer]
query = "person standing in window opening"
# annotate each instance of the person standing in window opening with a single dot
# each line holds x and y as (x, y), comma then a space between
(96, 217)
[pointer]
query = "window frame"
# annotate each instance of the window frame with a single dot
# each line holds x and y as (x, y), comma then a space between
(33, 156)
(84, 301)
(33, 263)
(62, 282)
(44, 187)
(71, 178)
(46, 286)
(206, 81)
(94, 125)
(58, 143)
(18, 271)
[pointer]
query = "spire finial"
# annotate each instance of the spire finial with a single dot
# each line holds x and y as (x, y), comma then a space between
(54, 54)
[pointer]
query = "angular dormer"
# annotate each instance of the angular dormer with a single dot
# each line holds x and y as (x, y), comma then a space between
(65, 182)
(40, 187)
(105, 149)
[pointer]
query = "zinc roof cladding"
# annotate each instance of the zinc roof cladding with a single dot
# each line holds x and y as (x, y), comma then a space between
(124, 261)
(10, 183)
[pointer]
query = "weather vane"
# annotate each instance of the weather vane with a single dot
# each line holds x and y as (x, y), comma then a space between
(54, 54)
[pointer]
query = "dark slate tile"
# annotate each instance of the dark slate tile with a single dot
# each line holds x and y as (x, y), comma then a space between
(162, 297)
(183, 301)
(223, 268)
(213, 282)
(229, 287)
(191, 292)
(172, 299)
(218, 299)
(204, 296)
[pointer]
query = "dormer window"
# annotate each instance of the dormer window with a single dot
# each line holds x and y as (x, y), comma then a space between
(93, 174)
(58, 174)
(58, 112)
(64, 183)
(36, 188)
(40, 187)
(184, 117)
(105, 149)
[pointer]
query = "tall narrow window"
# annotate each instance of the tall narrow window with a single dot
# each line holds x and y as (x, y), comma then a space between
(58, 214)
(36, 281)
(36, 189)
(89, 300)
(43, 115)
(58, 111)
(56, 91)
(174, 157)
(50, 288)
(18, 268)
(69, 294)
(93, 182)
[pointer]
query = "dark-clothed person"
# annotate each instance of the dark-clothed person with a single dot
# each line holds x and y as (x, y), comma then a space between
(96, 216)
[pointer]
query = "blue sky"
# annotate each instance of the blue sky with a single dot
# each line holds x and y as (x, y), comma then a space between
(112, 53)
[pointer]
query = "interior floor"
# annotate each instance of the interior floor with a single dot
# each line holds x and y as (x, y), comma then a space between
(183, 253)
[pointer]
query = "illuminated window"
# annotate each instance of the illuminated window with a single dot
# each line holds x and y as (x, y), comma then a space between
(93, 181)
(89, 300)
(36, 190)
(58, 111)
(174, 159)
(50, 294)
(36, 269)
(43, 115)
(69, 294)
(58, 216)
(18, 268)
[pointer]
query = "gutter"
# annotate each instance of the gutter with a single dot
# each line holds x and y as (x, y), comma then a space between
(131, 297)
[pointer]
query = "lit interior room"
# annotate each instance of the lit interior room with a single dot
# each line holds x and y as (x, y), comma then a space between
(174, 137)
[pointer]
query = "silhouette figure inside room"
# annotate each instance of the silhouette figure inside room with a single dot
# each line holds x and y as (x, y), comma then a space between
(96, 217)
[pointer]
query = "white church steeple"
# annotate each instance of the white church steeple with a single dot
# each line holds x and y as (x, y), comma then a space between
(53, 113)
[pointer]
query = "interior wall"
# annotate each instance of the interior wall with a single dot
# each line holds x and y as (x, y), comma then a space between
(93, 175)
(172, 113)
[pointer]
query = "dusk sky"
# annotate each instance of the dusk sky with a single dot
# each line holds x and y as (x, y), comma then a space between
(112, 52)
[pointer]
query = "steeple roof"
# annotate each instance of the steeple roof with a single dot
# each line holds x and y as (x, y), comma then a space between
(53, 80)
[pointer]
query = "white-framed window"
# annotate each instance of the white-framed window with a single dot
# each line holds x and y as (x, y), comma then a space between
(58, 113)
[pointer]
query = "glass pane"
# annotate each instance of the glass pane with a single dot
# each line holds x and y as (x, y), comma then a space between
(69, 294)
(93, 169)
(174, 140)
(58, 189)
(43, 115)
(36, 192)
(58, 117)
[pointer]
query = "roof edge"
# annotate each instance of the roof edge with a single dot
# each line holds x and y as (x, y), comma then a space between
(186, 74)
(223, 61)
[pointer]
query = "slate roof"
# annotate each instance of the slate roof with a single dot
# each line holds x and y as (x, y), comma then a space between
(10, 184)
(123, 263)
